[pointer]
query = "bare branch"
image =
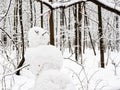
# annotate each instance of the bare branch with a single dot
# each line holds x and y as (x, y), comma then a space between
(57, 5)
(11, 73)
(108, 6)
(6, 11)
(102, 3)
(9, 37)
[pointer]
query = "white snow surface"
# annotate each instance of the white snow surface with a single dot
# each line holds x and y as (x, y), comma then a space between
(99, 79)
(45, 63)
(43, 57)
(54, 80)
(38, 36)
(40, 55)
(49, 71)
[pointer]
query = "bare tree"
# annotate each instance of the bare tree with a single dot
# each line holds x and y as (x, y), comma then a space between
(69, 28)
(15, 32)
(101, 37)
(31, 12)
(78, 28)
(76, 33)
(51, 25)
(41, 6)
(22, 37)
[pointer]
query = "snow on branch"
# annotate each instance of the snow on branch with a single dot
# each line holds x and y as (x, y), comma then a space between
(47, 3)
(57, 5)
(13, 72)
(6, 11)
(108, 6)
(66, 4)
(104, 4)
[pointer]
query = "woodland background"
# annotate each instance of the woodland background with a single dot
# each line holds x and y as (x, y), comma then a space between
(73, 24)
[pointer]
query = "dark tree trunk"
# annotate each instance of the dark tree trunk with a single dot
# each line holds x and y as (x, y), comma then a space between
(15, 20)
(100, 37)
(92, 43)
(34, 15)
(69, 28)
(78, 34)
(15, 33)
(80, 26)
(31, 12)
(51, 24)
(41, 5)
(4, 36)
(22, 37)
(76, 31)
(117, 42)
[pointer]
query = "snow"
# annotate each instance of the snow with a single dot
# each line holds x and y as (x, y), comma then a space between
(111, 5)
(45, 63)
(98, 78)
(58, 4)
(72, 2)
(43, 57)
(54, 80)
(48, 69)
(38, 36)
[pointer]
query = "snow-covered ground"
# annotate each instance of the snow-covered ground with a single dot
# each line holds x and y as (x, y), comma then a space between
(86, 77)
(63, 73)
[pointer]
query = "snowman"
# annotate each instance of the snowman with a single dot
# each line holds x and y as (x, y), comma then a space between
(40, 55)
(46, 62)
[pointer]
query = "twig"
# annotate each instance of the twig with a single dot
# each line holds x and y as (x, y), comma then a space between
(11, 73)
(77, 77)
(7, 11)
(9, 37)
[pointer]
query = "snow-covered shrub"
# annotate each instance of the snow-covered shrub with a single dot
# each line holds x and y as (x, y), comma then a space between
(43, 57)
(38, 36)
(54, 80)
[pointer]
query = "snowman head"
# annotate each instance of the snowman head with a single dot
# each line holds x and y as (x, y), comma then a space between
(38, 36)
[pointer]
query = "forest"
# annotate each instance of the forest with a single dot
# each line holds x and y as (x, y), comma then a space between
(47, 38)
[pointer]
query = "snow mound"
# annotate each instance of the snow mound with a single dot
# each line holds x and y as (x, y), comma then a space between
(43, 57)
(54, 80)
(37, 36)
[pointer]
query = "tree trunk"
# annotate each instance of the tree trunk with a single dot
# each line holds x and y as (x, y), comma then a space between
(117, 41)
(79, 29)
(15, 21)
(76, 33)
(69, 28)
(41, 5)
(22, 37)
(15, 33)
(91, 41)
(31, 12)
(51, 25)
(62, 32)
(100, 37)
